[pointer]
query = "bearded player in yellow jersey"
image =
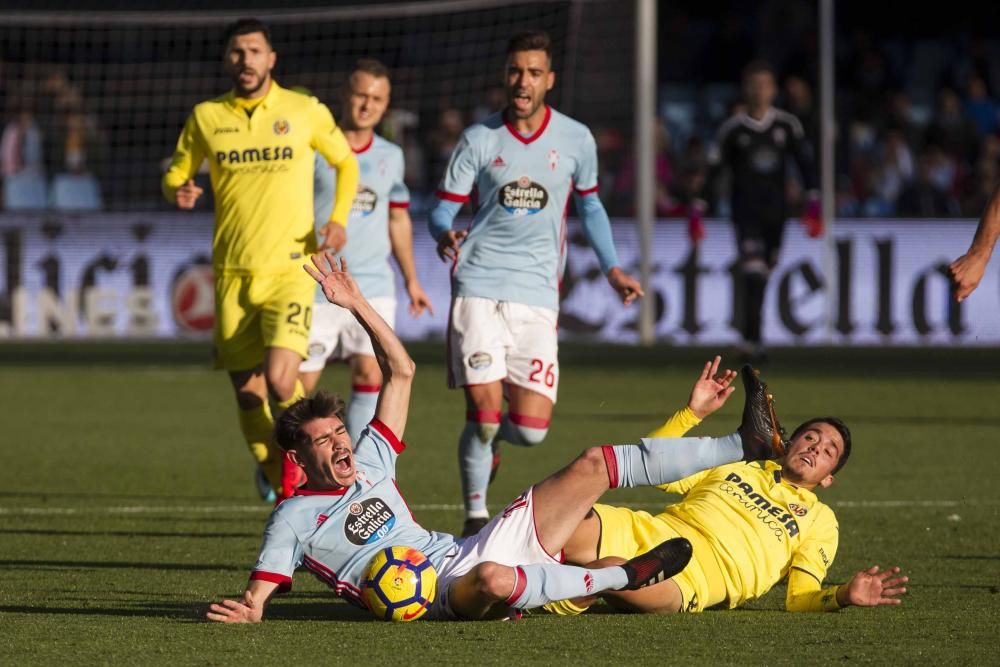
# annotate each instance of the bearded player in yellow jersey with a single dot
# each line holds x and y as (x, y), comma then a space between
(750, 524)
(259, 140)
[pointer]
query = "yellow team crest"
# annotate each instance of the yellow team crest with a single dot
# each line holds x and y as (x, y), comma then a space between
(281, 127)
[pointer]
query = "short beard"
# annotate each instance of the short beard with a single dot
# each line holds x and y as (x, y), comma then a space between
(246, 92)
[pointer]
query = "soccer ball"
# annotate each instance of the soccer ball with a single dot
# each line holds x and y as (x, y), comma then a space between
(399, 584)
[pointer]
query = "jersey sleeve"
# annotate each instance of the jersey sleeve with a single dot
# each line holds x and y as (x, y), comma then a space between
(680, 423)
(802, 152)
(817, 551)
(332, 144)
(463, 170)
(323, 189)
(188, 156)
(585, 176)
(682, 486)
(399, 194)
(280, 554)
(378, 447)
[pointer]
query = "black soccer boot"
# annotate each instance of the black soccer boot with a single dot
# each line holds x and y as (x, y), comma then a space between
(763, 437)
(658, 564)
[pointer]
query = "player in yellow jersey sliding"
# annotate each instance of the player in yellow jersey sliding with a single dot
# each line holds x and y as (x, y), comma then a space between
(259, 140)
(750, 524)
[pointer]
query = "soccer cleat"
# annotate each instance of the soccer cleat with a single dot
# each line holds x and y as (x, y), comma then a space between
(658, 564)
(762, 435)
(267, 493)
(473, 525)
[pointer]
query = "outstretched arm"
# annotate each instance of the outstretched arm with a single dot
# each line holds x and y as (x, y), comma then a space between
(248, 610)
(869, 588)
(396, 365)
(967, 270)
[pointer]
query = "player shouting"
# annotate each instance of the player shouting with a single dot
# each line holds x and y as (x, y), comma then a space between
(524, 163)
(259, 140)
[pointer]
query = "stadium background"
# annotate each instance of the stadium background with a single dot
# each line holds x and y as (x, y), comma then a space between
(125, 502)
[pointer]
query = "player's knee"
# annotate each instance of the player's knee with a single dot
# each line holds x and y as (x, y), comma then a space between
(281, 386)
(529, 436)
(591, 462)
(493, 580)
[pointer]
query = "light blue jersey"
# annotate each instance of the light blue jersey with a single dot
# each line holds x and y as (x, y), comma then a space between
(334, 534)
(381, 188)
(516, 247)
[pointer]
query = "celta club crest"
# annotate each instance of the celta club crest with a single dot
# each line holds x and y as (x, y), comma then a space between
(281, 127)
(553, 159)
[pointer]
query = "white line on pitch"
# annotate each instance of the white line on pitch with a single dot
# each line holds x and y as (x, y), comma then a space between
(431, 507)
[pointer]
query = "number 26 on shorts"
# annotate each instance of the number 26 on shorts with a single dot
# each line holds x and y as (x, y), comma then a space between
(537, 367)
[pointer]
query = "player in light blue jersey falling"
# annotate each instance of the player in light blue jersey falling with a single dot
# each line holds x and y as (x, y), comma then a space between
(524, 163)
(351, 506)
(379, 224)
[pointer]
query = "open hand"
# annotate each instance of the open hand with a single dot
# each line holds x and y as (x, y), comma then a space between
(419, 301)
(338, 286)
(712, 389)
(233, 611)
(871, 588)
(628, 288)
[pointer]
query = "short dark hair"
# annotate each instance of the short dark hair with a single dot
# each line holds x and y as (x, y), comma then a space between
(288, 430)
(755, 67)
(246, 26)
(837, 423)
(371, 66)
(532, 40)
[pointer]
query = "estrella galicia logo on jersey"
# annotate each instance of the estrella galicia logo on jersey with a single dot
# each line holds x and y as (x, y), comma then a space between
(281, 127)
(365, 201)
(368, 521)
(479, 360)
(797, 510)
(773, 516)
(523, 197)
(266, 154)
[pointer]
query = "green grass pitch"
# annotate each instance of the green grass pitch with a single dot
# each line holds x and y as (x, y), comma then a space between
(127, 505)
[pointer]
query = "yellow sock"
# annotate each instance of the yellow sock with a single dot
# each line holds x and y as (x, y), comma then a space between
(298, 393)
(564, 608)
(258, 430)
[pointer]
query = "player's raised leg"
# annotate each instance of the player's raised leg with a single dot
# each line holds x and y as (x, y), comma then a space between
(563, 500)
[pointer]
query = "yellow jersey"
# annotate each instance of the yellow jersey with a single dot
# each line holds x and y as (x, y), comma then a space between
(261, 165)
(758, 525)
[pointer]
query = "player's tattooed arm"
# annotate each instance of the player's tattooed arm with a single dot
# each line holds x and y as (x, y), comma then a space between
(712, 389)
(248, 610)
(967, 270)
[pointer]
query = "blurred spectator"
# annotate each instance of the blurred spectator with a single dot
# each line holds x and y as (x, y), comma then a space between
(496, 100)
(75, 187)
(923, 198)
(21, 161)
(980, 107)
(799, 102)
(443, 139)
(896, 172)
(951, 130)
(900, 115)
(666, 204)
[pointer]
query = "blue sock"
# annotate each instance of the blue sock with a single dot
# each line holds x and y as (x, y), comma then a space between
(538, 585)
(361, 409)
(475, 459)
(661, 460)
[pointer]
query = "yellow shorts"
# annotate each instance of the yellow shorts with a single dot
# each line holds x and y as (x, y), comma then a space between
(627, 533)
(253, 312)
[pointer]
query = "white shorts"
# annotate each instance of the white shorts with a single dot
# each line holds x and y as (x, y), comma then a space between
(508, 539)
(336, 334)
(501, 340)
